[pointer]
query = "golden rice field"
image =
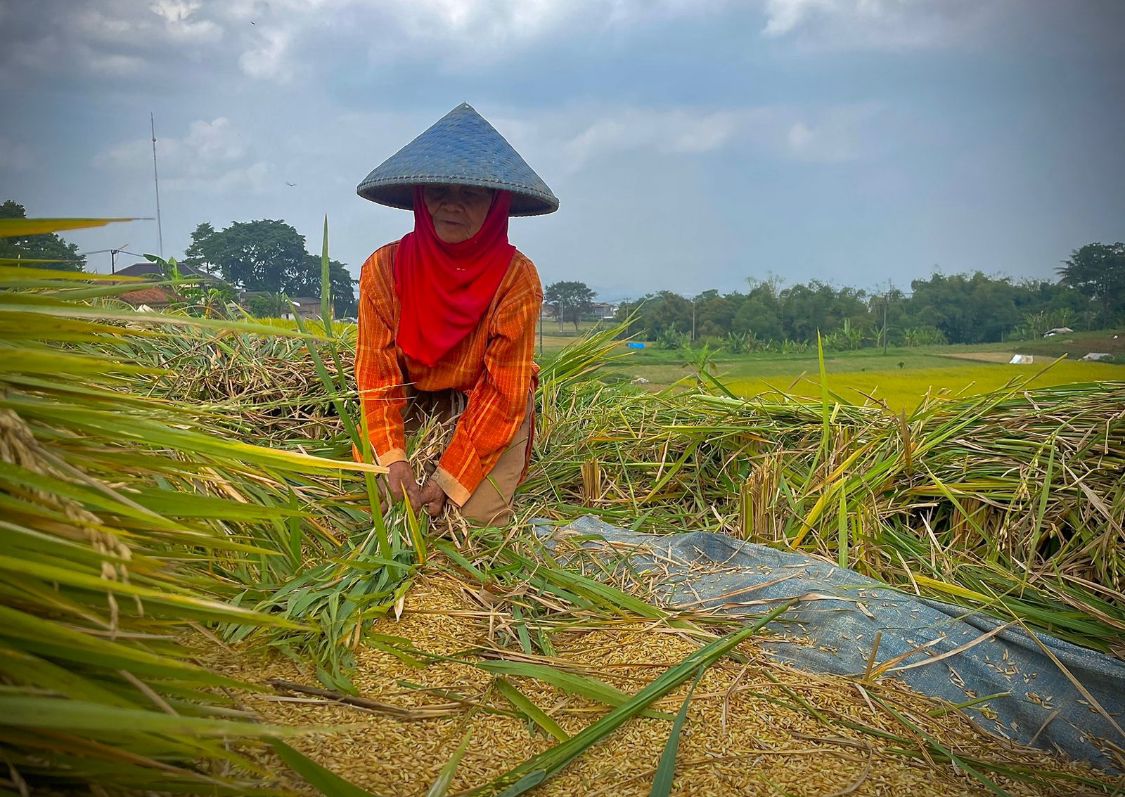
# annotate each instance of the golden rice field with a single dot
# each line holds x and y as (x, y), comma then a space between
(904, 389)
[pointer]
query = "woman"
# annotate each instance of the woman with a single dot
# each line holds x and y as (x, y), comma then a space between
(447, 317)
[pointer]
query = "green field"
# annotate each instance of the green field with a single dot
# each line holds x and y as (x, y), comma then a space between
(901, 377)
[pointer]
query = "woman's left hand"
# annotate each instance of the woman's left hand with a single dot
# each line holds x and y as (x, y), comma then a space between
(432, 497)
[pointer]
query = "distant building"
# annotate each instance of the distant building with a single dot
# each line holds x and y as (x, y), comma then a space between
(304, 307)
(595, 312)
(603, 310)
(155, 272)
(160, 296)
(155, 298)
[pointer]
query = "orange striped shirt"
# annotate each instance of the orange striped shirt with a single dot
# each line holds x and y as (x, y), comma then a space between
(493, 366)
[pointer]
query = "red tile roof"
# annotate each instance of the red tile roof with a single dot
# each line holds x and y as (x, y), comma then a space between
(149, 296)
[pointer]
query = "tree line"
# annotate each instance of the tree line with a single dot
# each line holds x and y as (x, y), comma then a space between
(959, 308)
(268, 259)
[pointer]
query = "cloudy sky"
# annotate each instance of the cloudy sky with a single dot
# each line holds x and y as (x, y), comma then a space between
(693, 143)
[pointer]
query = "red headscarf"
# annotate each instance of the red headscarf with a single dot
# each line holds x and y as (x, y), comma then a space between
(444, 289)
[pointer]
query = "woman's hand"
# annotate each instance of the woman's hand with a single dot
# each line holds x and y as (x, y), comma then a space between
(432, 497)
(401, 481)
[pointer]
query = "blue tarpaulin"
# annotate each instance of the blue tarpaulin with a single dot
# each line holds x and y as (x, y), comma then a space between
(939, 649)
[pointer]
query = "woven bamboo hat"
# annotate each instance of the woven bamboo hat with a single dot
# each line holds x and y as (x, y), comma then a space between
(461, 148)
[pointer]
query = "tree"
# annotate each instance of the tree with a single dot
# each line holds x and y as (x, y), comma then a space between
(759, 312)
(658, 314)
(713, 314)
(267, 305)
(39, 247)
(1098, 271)
(808, 309)
(193, 255)
(888, 314)
(967, 309)
(570, 300)
(268, 256)
(306, 282)
(264, 255)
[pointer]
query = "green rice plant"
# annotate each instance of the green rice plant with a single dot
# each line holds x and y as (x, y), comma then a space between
(126, 519)
(357, 567)
(563, 680)
(336, 597)
(666, 768)
(523, 704)
(324, 780)
(440, 786)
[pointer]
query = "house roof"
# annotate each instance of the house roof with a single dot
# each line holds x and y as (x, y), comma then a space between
(154, 270)
(149, 296)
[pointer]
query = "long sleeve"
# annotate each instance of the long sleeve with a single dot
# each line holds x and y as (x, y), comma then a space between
(497, 403)
(377, 372)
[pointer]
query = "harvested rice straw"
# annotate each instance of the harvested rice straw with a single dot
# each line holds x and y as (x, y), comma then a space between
(1008, 502)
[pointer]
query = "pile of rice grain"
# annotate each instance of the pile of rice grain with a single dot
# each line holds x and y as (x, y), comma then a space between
(738, 740)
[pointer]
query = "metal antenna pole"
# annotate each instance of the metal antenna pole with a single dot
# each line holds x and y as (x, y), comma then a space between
(156, 181)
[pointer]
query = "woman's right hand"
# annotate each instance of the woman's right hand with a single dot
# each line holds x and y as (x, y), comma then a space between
(401, 481)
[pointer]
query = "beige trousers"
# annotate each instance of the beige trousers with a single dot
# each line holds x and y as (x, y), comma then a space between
(491, 503)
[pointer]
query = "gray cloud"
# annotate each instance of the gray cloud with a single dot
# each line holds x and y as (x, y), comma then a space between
(692, 143)
(212, 157)
(878, 24)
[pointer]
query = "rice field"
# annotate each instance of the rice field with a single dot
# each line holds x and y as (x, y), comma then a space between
(904, 390)
(203, 592)
(901, 379)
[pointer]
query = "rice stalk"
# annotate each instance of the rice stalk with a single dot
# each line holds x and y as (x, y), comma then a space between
(127, 518)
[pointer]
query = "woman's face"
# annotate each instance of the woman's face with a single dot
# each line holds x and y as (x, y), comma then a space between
(458, 211)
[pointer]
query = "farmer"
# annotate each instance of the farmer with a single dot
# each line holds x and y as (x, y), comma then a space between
(447, 317)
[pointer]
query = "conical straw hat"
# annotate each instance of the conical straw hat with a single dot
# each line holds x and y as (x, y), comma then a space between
(461, 148)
